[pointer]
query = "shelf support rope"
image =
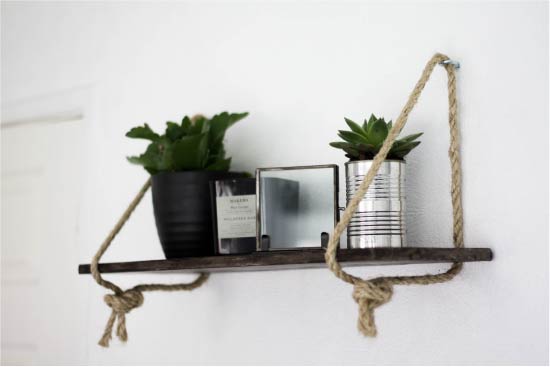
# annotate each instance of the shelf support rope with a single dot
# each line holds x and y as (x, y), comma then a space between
(123, 301)
(372, 293)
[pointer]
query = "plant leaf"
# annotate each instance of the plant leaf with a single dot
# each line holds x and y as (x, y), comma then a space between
(220, 165)
(352, 137)
(157, 157)
(341, 145)
(352, 153)
(220, 123)
(190, 152)
(401, 145)
(197, 125)
(216, 152)
(186, 124)
(143, 132)
(367, 148)
(410, 138)
(186, 146)
(139, 161)
(355, 127)
(372, 119)
(377, 132)
(174, 131)
(234, 117)
(404, 149)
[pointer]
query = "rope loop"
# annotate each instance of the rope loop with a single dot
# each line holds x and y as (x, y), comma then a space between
(370, 294)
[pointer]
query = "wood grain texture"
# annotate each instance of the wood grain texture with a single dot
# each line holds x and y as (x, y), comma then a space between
(299, 259)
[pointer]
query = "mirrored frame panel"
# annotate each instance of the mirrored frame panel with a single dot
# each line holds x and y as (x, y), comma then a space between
(296, 207)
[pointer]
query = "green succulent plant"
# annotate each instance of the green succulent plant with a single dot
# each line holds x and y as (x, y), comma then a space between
(195, 144)
(364, 142)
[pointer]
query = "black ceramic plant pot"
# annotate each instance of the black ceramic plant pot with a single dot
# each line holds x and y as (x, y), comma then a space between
(181, 202)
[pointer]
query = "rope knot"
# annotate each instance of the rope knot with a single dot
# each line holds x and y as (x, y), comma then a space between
(369, 295)
(124, 302)
(120, 304)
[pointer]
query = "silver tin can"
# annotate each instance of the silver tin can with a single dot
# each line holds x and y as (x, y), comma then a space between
(380, 217)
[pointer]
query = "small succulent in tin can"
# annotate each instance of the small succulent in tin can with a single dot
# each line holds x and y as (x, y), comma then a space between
(363, 142)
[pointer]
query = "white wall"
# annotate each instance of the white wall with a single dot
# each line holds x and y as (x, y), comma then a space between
(299, 68)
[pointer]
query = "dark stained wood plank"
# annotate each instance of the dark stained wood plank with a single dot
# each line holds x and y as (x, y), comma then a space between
(299, 259)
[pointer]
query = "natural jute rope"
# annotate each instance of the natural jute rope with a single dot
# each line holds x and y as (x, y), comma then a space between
(122, 302)
(369, 294)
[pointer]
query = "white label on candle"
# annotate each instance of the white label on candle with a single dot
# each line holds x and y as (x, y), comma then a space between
(236, 216)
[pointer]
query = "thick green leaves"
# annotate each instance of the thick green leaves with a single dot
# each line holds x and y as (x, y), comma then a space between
(216, 152)
(195, 144)
(174, 131)
(367, 124)
(221, 165)
(411, 137)
(349, 148)
(341, 145)
(352, 137)
(355, 150)
(198, 126)
(143, 132)
(377, 132)
(355, 127)
(186, 124)
(190, 152)
(218, 126)
(364, 142)
(157, 156)
(142, 160)
(221, 122)
(234, 117)
(402, 150)
(367, 148)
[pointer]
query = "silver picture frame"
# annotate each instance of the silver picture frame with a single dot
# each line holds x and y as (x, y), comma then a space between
(263, 243)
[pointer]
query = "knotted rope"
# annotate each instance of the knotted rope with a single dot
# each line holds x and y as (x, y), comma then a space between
(122, 302)
(370, 294)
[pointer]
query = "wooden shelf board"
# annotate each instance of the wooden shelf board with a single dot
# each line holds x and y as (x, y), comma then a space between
(299, 259)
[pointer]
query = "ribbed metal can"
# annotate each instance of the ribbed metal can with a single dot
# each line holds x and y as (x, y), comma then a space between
(380, 217)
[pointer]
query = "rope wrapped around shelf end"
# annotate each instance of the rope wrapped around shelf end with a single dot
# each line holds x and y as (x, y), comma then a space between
(372, 293)
(121, 301)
